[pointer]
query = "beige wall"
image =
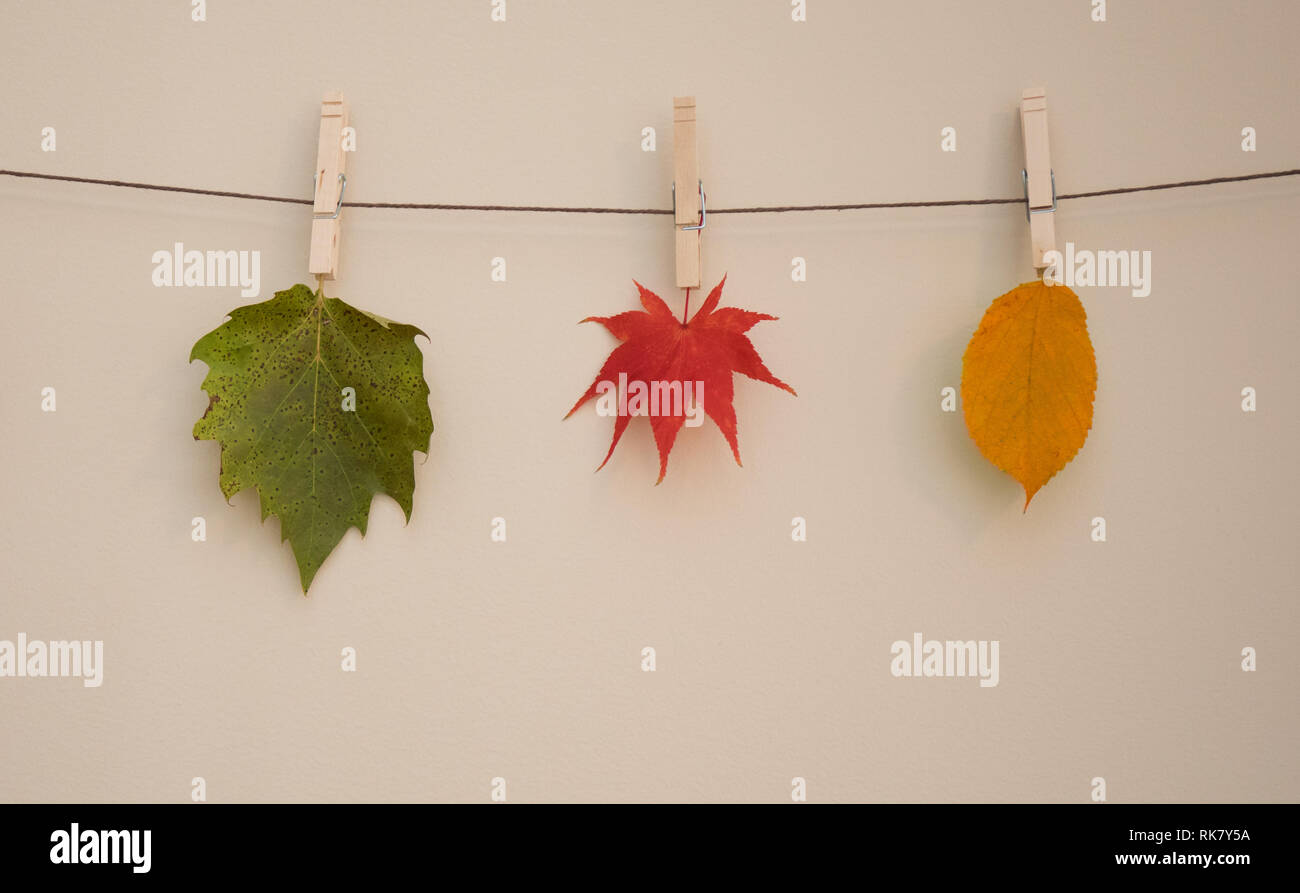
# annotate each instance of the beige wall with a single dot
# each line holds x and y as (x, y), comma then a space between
(521, 660)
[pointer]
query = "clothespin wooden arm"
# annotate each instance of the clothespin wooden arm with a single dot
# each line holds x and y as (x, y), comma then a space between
(687, 193)
(330, 179)
(1040, 183)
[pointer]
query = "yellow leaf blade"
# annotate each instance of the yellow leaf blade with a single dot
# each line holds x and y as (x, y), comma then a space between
(1028, 381)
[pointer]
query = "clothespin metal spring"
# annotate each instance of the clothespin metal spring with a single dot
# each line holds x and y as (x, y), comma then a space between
(704, 217)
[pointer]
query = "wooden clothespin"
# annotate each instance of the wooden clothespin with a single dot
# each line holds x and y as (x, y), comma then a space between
(330, 181)
(1039, 179)
(688, 193)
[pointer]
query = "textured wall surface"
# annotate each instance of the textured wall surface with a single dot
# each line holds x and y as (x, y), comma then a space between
(522, 659)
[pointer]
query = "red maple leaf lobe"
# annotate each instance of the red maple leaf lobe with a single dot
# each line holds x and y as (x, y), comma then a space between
(699, 356)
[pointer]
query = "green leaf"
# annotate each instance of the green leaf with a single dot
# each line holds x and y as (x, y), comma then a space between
(276, 380)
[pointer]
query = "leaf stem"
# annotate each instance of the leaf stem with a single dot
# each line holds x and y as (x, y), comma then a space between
(687, 308)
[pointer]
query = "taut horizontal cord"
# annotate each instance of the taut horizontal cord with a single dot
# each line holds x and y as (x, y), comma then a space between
(555, 209)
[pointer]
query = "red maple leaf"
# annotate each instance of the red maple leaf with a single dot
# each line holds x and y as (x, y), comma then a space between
(659, 349)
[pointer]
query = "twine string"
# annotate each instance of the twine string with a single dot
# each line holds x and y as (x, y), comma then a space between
(557, 209)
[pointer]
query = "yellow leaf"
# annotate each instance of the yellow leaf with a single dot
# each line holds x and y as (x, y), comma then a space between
(1027, 382)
